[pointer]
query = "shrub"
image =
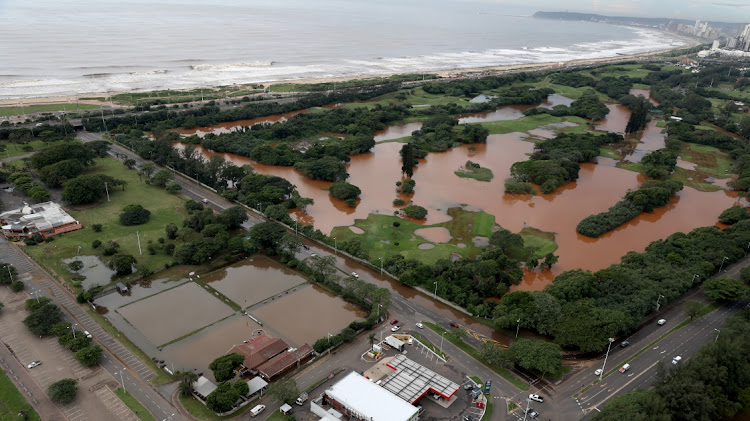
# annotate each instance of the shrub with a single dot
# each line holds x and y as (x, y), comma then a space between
(95, 244)
(345, 191)
(134, 215)
(63, 391)
(97, 227)
(414, 211)
(398, 202)
(16, 286)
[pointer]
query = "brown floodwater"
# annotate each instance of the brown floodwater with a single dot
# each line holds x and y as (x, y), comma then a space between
(253, 280)
(556, 99)
(646, 93)
(434, 234)
(308, 314)
(397, 131)
(230, 126)
(616, 120)
(174, 313)
(197, 351)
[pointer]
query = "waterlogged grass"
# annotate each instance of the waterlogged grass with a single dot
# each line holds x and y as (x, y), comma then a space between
(164, 207)
(12, 401)
(692, 179)
(631, 166)
(43, 108)
(507, 375)
(707, 159)
(483, 223)
(131, 402)
(480, 174)
(542, 241)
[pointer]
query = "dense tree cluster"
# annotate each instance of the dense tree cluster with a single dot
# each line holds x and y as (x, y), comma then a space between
(43, 318)
(709, 386)
(89, 188)
(415, 211)
(652, 194)
(639, 107)
(26, 184)
(345, 191)
(555, 161)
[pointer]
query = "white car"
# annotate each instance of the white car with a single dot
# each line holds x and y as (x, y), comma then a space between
(676, 359)
(624, 368)
(88, 335)
(661, 321)
(395, 328)
(598, 371)
(354, 274)
(537, 398)
(420, 325)
(34, 364)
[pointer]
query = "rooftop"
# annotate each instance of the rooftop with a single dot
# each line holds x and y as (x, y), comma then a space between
(41, 215)
(259, 350)
(203, 387)
(411, 381)
(370, 400)
(256, 384)
(282, 361)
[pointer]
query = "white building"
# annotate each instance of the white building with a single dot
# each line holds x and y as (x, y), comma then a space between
(361, 399)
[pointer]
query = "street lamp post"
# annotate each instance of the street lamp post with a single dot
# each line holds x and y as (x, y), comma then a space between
(381, 265)
(694, 276)
(717, 335)
(379, 305)
(441, 342)
(722, 263)
(605, 358)
(526, 413)
(122, 381)
(518, 327)
(7, 265)
(436, 290)
(73, 328)
(335, 245)
(657, 301)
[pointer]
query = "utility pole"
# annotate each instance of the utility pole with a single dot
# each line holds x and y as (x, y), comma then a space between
(139, 243)
(107, 190)
(122, 381)
(605, 358)
(101, 111)
(518, 327)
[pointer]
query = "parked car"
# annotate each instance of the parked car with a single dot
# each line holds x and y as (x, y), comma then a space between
(395, 328)
(420, 325)
(469, 386)
(533, 414)
(623, 344)
(34, 364)
(537, 398)
(394, 321)
(598, 371)
(676, 359)
(453, 324)
(257, 410)
(313, 255)
(661, 321)
(354, 274)
(624, 368)
(88, 335)
(306, 247)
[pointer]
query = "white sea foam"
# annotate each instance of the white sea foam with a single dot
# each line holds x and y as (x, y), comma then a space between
(195, 75)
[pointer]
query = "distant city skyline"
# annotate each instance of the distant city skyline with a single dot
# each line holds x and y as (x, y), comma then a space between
(711, 10)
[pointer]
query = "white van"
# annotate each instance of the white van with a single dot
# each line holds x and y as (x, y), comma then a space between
(257, 410)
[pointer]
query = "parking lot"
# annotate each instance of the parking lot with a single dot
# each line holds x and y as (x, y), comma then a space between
(57, 363)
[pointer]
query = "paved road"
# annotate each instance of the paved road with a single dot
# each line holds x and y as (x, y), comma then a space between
(19, 375)
(116, 358)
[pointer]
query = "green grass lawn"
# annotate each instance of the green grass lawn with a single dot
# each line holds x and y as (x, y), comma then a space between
(14, 149)
(543, 241)
(488, 411)
(164, 208)
(524, 124)
(200, 411)
(507, 375)
(707, 159)
(43, 108)
(12, 401)
(131, 402)
(569, 91)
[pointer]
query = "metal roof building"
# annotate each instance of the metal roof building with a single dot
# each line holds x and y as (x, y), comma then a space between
(43, 219)
(203, 387)
(411, 381)
(362, 399)
(259, 350)
(285, 360)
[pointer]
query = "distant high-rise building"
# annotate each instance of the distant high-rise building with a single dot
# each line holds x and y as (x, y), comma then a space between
(731, 42)
(715, 45)
(746, 32)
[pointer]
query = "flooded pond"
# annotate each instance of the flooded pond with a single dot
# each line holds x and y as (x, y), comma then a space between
(174, 313)
(253, 280)
(397, 131)
(308, 314)
(95, 271)
(434, 234)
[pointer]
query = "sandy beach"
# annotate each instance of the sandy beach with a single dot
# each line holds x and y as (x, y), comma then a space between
(73, 99)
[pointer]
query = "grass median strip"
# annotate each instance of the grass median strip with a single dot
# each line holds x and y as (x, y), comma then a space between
(131, 402)
(12, 401)
(488, 412)
(507, 375)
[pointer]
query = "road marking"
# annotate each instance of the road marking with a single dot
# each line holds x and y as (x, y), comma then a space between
(623, 386)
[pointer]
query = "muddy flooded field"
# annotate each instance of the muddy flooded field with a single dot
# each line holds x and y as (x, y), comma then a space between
(95, 271)
(308, 314)
(174, 313)
(253, 280)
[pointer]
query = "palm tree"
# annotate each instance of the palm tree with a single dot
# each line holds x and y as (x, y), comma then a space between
(371, 338)
(187, 379)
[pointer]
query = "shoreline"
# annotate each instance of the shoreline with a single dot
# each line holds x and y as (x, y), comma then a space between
(499, 69)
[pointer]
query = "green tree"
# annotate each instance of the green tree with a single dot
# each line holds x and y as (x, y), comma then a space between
(130, 163)
(734, 214)
(16, 286)
(242, 388)
(122, 264)
(409, 161)
(266, 235)
(187, 379)
(285, 390)
(171, 230)
(343, 190)
(693, 309)
(493, 355)
(89, 356)
(147, 169)
(173, 188)
(724, 289)
(162, 178)
(60, 329)
(41, 320)
(233, 217)
(32, 304)
(545, 357)
(134, 214)
(224, 366)
(8, 274)
(223, 398)
(371, 338)
(63, 391)
(414, 211)
(641, 405)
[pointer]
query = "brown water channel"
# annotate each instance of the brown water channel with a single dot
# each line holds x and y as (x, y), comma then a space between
(230, 126)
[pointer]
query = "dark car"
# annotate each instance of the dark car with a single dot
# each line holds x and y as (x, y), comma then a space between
(394, 321)
(306, 246)
(624, 344)
(453, 324)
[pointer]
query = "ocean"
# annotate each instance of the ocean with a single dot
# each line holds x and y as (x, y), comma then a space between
(75, 47)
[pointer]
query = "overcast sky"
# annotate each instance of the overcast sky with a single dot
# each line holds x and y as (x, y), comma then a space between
(718, 10)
